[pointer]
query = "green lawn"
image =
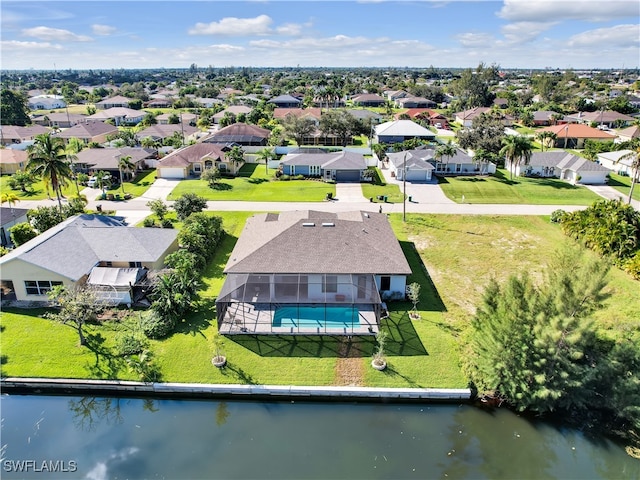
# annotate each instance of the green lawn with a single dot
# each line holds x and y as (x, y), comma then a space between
(255, 185)
(521, 190)
(623, 184)
(379, 188)
(138, 186)
(37, 191)
(460, 253)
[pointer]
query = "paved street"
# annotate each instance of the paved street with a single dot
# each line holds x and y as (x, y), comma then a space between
(426, 198)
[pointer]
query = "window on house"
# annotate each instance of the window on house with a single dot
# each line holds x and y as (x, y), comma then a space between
(385, 283)
(330, 284)
(197, 167)
(39, 287)
(314, 169)
(135, 264)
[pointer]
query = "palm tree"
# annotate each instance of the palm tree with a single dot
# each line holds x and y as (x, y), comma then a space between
(447, 150)
(634, 156)
(236, 156)
(265, 155)
(103, 181)
(10, 198)
(149, 142)
(546, 139)
(482, 157)
(48, 159)
(516, 149)
(125, 165)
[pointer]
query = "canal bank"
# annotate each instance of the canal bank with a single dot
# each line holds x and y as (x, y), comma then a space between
(65, 386)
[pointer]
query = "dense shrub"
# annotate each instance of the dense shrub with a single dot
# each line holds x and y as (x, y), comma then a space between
(148, 222)
(154, 326)
(284, 177)
(128, 343)
(299, 177)
(557, 216)
(187, 204)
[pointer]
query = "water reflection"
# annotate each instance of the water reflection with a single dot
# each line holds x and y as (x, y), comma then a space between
(143, 438)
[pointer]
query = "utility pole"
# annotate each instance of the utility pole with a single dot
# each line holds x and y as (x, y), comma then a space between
(404, 189)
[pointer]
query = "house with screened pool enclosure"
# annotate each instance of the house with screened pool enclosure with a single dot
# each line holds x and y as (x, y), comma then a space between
(310, 272)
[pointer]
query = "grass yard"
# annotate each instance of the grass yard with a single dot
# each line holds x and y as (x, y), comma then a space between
(521, 190)
(623, 184)
(379, 188)
(254, 184)
(452, 258)
(138, 186)
(37, 191)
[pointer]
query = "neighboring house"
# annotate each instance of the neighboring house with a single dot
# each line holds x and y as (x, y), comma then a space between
(93, 249)
(343, 166)
(573, 135)
(434, 118)
(419, 159)
(563, 165)
(161, 131)
(159, 103)
(286, 101)
(12, 160)
(628, 134)
(193, 160)
(465, 118)
(183, 117)
(119, 115)
(59, 120)
(12, 134)
(241, 134)
(368, 100)
(312, 113)
(113, 102)
(365, 115)
(8, 218)
(634, 101)
(415, 102)
(394, 95)
(501, 102)
(608, 118)
(208, 102)
(89, 132)
(310, 272)
(234, 110)
(46, 102)
(614, 162)
(398, 131)
(91, 160)
(543, 118)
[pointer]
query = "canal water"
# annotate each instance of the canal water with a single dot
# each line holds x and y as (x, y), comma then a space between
(124, 438)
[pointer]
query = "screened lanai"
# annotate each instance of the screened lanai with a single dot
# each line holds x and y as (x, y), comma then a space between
(321, 304)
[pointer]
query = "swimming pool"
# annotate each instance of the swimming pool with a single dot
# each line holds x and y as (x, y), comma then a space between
(316, 316)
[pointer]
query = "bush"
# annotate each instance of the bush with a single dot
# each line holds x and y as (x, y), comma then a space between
(148, 222)
(285, 177)
(557, 216)
(299, 177)
(632, 266)
(166, 223)
(187, 204)
(128, 343)
(155, 326)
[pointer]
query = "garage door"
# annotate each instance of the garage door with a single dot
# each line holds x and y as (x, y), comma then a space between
(348, 175)
(171, 172)
(416, 175)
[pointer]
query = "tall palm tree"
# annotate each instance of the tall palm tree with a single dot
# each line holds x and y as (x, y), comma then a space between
(236, 156)
(546, 139)
(447, 150)
(516, 149)
(265, 155)
(47, 158)
(634, 156)
(125, 165)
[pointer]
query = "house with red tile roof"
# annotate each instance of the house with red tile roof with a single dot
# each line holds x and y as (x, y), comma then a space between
(573, 135)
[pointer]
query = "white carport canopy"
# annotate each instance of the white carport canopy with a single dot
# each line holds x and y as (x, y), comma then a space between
(116, 277)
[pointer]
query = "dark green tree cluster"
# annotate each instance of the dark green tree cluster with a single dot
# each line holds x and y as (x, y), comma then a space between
(610, 228)
(177, 290)
(187, 204)
(486, 133)
(537, 346)
(13, 108)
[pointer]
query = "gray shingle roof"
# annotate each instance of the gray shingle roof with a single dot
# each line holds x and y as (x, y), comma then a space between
(343, 160)
(73, 247)
(357, 242)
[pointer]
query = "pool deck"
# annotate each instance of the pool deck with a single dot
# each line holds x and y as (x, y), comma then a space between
(66, 386)
(257, 319)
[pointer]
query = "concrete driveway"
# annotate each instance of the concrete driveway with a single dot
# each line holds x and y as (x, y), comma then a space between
(420, 192)
(349, 192)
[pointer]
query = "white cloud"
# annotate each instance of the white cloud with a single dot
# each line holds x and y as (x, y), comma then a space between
(546, 10)
(54, 34)
(522, 32)
(102, 29)
(233, 26)
(476, 40)
(16, 45)
(290, 29)
(618, 36)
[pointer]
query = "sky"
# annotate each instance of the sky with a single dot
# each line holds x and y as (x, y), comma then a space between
(86, 34)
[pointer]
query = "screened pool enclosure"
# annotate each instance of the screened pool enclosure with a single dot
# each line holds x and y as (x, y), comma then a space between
(290, 304)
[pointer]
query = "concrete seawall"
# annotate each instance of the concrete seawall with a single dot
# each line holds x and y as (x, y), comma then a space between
(62, 386)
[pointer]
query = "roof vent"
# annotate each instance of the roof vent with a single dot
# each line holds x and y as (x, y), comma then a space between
(308, 224)
(328, 224)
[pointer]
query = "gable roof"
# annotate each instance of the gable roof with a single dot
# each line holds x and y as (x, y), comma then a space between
(72, 248)
(577, 130)
(565, 161)
(117, 100)
(166, 130)
(13, 156)
(298, 112)
(404, 128)
(239, 133)
(184, 157)
(343, 160)
(11, 132)
(108, 158)
(285, 99)
(117, 112)
(355, 242)
(8, 214)
(88, 130)
(630, 132)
